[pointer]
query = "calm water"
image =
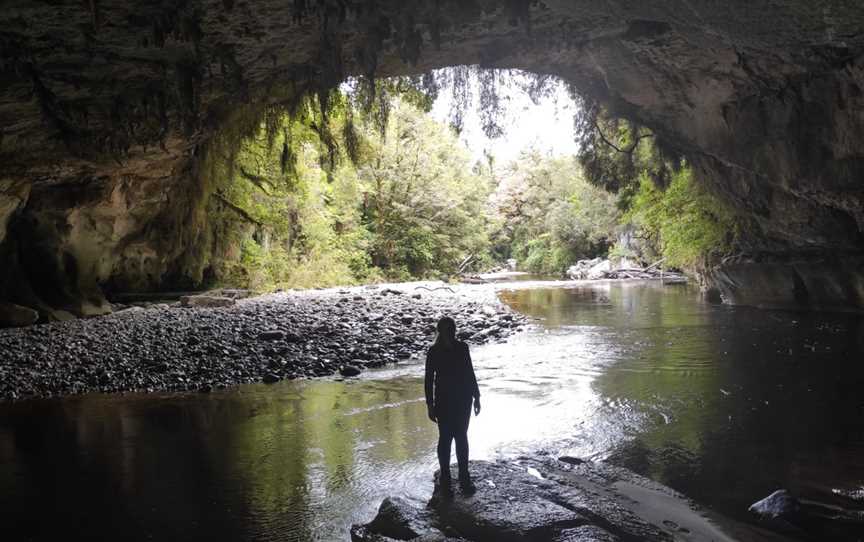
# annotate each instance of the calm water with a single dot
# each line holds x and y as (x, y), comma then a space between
(723, 404)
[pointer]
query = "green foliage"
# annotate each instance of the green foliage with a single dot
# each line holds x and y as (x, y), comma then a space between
(684, 221)
(548, 216)
(674, 216)
(421, 201)
(404, 204)
(615, 152)
(359, 184)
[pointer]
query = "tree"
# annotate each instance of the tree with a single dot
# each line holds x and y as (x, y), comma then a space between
(421, 201)
(549, 216)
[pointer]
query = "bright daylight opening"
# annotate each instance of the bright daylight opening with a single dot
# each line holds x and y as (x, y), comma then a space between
(483, 270)
(457, 173)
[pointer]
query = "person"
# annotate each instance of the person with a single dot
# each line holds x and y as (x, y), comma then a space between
(450, 386)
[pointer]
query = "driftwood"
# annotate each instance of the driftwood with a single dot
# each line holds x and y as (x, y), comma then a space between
(465, 263)
(433, 289)
(644, 273)
(601, 269)
(468, 279)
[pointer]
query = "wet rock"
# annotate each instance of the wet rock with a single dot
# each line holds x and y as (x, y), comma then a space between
(401, 519)
(12, 315)
(851, 494)
(207, 301)
(780, 505)
(506, 506)
(586, 533)
(571, 460)
(823, 284)
(270, 378)
(538, 499)
(271, 336)
(349, 370)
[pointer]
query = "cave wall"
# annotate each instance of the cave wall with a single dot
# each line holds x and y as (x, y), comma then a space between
(105, 108)
(137, 228)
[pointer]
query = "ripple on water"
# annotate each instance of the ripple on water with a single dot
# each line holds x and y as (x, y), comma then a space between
(722, 404)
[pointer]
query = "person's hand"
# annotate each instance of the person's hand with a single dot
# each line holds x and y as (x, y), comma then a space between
(477, 406)
(431, 412)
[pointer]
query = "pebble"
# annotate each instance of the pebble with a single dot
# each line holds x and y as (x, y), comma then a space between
(201, 349)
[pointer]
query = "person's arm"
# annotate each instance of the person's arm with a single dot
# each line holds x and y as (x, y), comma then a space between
(429, 385)
(475, 391)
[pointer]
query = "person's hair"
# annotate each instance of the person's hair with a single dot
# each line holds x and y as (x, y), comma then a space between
(446, 327)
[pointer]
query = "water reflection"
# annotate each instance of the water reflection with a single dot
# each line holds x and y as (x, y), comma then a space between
(255, 464)
(723, 404)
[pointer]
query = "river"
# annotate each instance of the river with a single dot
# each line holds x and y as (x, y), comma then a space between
(724, 404)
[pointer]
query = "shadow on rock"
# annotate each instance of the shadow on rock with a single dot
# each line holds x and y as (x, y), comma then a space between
(545, 500)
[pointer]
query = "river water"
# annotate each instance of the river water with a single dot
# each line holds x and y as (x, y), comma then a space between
(724, 404)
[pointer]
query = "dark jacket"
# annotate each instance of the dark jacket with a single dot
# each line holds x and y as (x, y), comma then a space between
(450, 380)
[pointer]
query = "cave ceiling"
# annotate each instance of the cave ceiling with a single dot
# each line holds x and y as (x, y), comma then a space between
(764, 98)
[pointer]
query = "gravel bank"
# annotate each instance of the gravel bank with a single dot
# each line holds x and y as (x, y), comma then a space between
(267, 338)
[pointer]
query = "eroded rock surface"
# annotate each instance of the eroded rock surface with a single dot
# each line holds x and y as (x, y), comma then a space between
(545, 500)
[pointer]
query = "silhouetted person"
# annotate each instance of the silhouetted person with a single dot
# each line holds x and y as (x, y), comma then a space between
(450, 388)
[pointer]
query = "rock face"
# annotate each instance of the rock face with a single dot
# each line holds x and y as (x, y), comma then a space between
(106, 109)
(544, 500)
(829, 282)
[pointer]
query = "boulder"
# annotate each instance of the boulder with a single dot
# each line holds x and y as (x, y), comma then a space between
(349, 370)
(12, 315)
(400, 519)
(778, 505)
(274, 335)
(270, 378)
(206, 301)
(599, 270)
(508, 504)
(579, 270)
(532, 499)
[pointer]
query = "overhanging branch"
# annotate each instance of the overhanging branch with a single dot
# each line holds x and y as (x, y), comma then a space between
(237, 209)
(616, 147)
(257, 180)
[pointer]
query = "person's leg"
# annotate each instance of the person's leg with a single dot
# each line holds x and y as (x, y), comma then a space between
(460, 434)
(445, 438)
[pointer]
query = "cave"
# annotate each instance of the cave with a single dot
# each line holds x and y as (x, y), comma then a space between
(107, 111)
(292, 414)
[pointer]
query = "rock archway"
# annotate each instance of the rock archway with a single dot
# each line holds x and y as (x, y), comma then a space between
(106, 108)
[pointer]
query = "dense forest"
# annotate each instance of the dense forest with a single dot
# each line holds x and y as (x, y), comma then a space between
(376, 189)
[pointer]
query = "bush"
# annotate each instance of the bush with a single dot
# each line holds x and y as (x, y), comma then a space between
(685, 222)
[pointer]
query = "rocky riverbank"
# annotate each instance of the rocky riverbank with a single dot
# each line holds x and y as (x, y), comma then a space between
(544, 499)
(268, 338)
